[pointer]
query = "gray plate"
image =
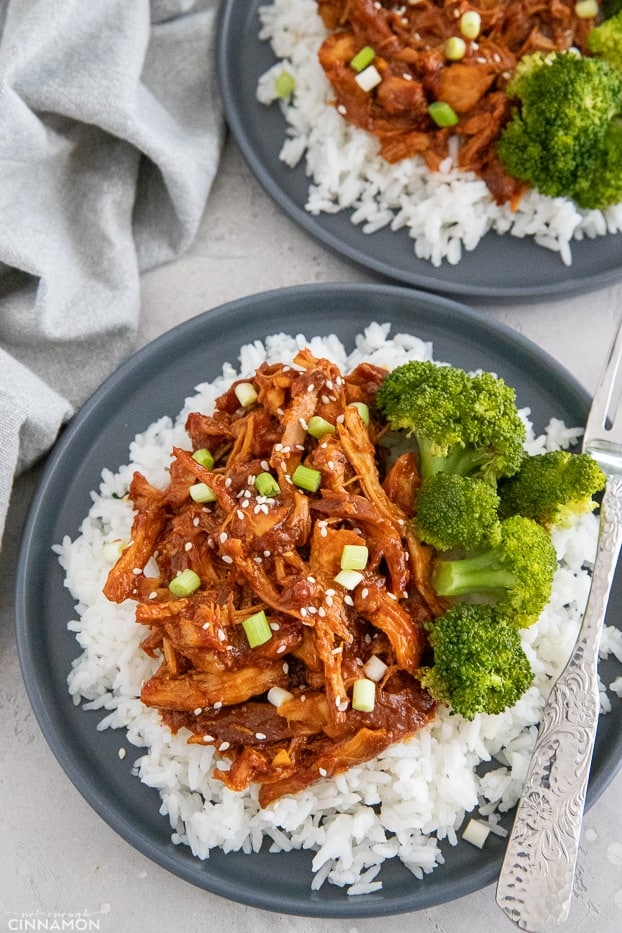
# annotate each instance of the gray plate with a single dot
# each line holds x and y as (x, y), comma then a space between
(153, 383)
(501, 268)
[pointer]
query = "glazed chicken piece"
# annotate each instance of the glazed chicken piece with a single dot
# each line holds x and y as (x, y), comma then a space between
(279, 705)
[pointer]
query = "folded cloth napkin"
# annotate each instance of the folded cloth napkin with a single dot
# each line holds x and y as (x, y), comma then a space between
(110, 134)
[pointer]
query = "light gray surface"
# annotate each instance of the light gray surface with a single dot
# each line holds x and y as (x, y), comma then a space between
(57, 857)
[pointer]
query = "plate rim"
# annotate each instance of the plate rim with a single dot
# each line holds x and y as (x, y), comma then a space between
(66, 755)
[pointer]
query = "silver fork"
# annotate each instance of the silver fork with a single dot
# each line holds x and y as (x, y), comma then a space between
(536, 880)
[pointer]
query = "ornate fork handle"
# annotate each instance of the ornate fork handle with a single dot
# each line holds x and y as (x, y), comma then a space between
(535, 884)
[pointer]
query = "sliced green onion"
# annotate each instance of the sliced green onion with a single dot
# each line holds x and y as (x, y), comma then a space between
(363, 411)
(245, 393)
(277, 696)
(455, 48)
(470, 24)
(363, 58)
(369, 78)
(442, 113)
(476, 832)
(348, 579)
(586, 9)
(266, 485)
(201, 492)
(319, 426)
(374, 668)
(204, 457)
(354, 557)
(257, 629)
(364, 695)
(307, 478)
(185, 583)
(284, 84)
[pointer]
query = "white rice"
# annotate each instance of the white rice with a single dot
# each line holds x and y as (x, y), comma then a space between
(400, 805)
(444, 212)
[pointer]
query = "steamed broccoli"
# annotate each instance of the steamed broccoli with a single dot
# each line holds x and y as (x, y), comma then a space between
(455, 511)
(479, 663)
(606, 39)
(516, 573)
(552, 488)
(563, 137)
(465, 424)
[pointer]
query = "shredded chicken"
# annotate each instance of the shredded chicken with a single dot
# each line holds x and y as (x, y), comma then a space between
(280, 554)
(409, 44)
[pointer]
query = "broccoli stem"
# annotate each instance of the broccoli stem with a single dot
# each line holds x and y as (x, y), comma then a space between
(481, 573)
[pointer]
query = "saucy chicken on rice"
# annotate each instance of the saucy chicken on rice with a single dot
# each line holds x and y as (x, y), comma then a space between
(280, 704)
(409, 45)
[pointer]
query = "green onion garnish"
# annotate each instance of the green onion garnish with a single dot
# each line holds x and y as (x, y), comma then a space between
(245, 393)
(363, 411)
(364, 695)
(201, 492)
(363, 58)
(470, 24)
(586, 9)
(204, 457)
(354, 557)
(185, 583)
(257, 629)
(455, 48)
(349, 579)
(442, 113)
(318, 427)
(284, 84)
(266, 485)
(307, 478)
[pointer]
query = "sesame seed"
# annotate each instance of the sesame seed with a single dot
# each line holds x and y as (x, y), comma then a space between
(196, 521)
(188, 546)
(311, 579)
(218, 704)
(198, 711)
(223, 746)
(311, 387)
(122, 753)
(205, 625)
(240, 514)
(329, 601)
(303, 424)
(303, 611)
(364, 593)
(260, 736)
(208, 738)
(285, 667)
(136, 571)
(153, 595)
(281, 649)
(323, 532)
(324, 399)
(226, 559)
(245, 503)
(265, 466)
(330, 591)
(275, 626)
(321, 612)
(258, 560)
(228, 482)
(222, 537)
(267, 553)
(221, 635)
(323, 772)
(348, 600)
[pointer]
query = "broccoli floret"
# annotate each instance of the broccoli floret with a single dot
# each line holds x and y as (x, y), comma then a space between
(455, 511)
(516, 573)
(553, 488)
(606, 40)
(559, 138)
(479, 663)
(462, 423)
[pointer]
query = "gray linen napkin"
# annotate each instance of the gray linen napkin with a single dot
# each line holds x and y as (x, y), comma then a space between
(110, 134)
